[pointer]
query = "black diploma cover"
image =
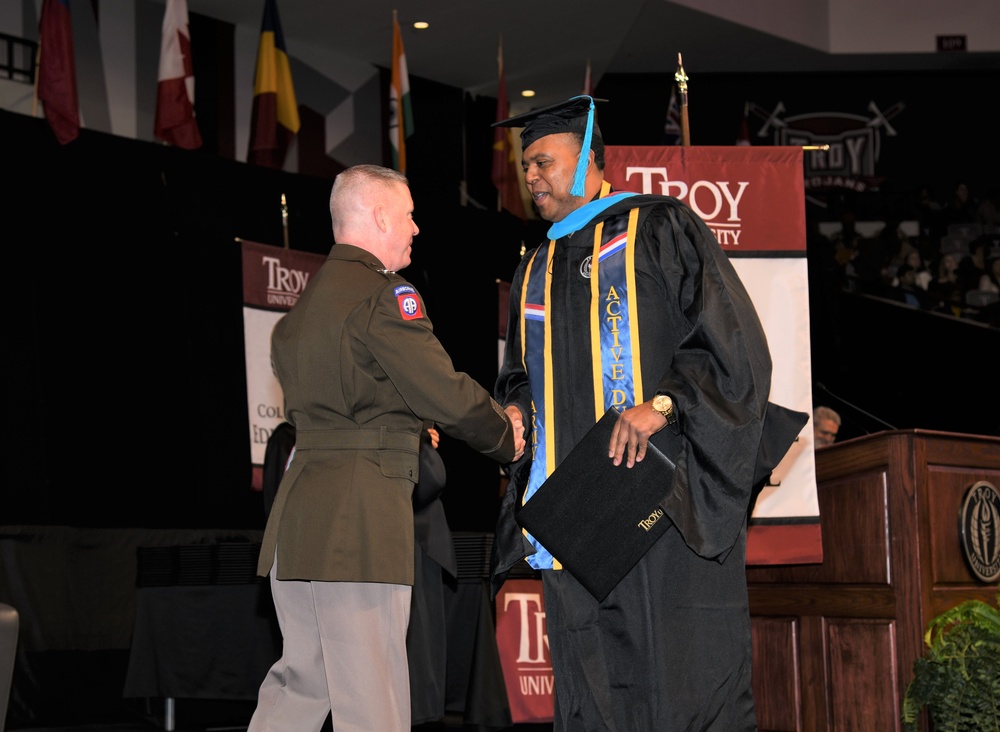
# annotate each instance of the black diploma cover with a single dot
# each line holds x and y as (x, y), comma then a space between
(595, 518)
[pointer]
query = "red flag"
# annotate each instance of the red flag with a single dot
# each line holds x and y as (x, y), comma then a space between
(275, 119)
(57, 70)
(175, 121)
(504, 173)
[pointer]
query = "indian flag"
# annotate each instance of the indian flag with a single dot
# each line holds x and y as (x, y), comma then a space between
(400, 112)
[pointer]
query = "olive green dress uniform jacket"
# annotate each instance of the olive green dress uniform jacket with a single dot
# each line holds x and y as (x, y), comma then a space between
(361, 369)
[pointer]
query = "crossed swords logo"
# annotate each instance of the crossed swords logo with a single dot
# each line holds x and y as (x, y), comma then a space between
(880, 119)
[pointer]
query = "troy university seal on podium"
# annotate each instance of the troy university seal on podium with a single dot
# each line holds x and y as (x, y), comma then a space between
(980, 530)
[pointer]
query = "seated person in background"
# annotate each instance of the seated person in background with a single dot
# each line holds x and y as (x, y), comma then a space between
(922, 275)
(990, 279)
(826, 425)
(973, 267)
(905, 290)
(945, 285)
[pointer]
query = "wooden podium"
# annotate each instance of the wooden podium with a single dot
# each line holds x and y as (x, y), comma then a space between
(834, 643)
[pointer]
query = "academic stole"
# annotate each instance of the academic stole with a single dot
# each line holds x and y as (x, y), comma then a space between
(614, 343)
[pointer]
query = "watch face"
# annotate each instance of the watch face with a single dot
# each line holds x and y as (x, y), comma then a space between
(661, 402)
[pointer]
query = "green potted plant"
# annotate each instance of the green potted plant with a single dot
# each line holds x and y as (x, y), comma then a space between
(958, 678)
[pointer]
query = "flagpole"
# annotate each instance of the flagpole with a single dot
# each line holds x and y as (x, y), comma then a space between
(463, 187)
(682, 79)
(34, 96)
(501, 89)
(284, 219)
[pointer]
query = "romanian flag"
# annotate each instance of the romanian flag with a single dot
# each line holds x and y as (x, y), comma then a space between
(57, 70)
(400, 111)
(175, 121)
(275, 112)
(504, 171)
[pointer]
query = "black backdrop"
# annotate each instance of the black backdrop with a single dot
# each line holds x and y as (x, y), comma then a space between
(125, 381)
(126, 378)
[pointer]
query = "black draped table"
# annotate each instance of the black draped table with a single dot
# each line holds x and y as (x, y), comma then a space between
(205, 629)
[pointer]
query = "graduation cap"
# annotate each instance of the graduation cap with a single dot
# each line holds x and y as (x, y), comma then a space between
(574, 115)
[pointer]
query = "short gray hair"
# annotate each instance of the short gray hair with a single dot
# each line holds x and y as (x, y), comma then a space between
(826, 413)
(350, 185)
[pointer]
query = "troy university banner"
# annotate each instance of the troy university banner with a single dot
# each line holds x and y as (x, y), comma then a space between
(273, 279)
(524, 650)
(753, 199)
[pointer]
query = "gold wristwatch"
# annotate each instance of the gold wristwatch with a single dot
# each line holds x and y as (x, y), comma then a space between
(663, 404)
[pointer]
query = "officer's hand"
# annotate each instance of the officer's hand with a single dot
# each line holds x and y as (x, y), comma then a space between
(517, 422)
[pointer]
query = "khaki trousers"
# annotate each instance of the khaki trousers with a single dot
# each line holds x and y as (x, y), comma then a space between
(343, 652)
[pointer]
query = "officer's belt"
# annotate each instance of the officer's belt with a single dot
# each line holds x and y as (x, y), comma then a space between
(378, 439)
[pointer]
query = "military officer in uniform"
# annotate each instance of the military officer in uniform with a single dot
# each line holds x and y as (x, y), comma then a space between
(361, 370)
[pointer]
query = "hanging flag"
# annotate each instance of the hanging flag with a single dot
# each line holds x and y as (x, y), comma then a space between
(400, 111)
(175, 121)
(672, 127)
(504, 172)
(275, 118)
(588, 85)
(744, 136)
(57, 70)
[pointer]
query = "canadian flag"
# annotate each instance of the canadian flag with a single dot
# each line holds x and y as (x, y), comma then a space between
(175, 121)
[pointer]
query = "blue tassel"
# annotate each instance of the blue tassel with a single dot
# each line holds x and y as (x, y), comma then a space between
(581, 166)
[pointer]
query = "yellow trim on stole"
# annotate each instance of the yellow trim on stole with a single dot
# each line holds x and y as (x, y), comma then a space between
(597, 363)
(633, 318)
(633, 309)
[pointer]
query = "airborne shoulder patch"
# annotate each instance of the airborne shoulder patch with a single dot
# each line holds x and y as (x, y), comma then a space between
(409, 303)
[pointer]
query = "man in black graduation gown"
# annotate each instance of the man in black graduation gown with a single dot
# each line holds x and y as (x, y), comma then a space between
(633, 304)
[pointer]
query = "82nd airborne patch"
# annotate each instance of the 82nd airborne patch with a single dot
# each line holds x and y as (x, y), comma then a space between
(409, 303)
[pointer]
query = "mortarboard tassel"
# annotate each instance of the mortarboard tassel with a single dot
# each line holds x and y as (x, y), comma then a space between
(581, 166)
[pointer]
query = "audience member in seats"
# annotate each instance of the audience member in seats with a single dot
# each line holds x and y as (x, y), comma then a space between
(826, 425)
(921, 275)
(973, 267)
(906, 290)
(961, 207)
(670, 648)
(844, 255)
(987, 294)
(990, 281)
(945, 283)
(360, 370)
